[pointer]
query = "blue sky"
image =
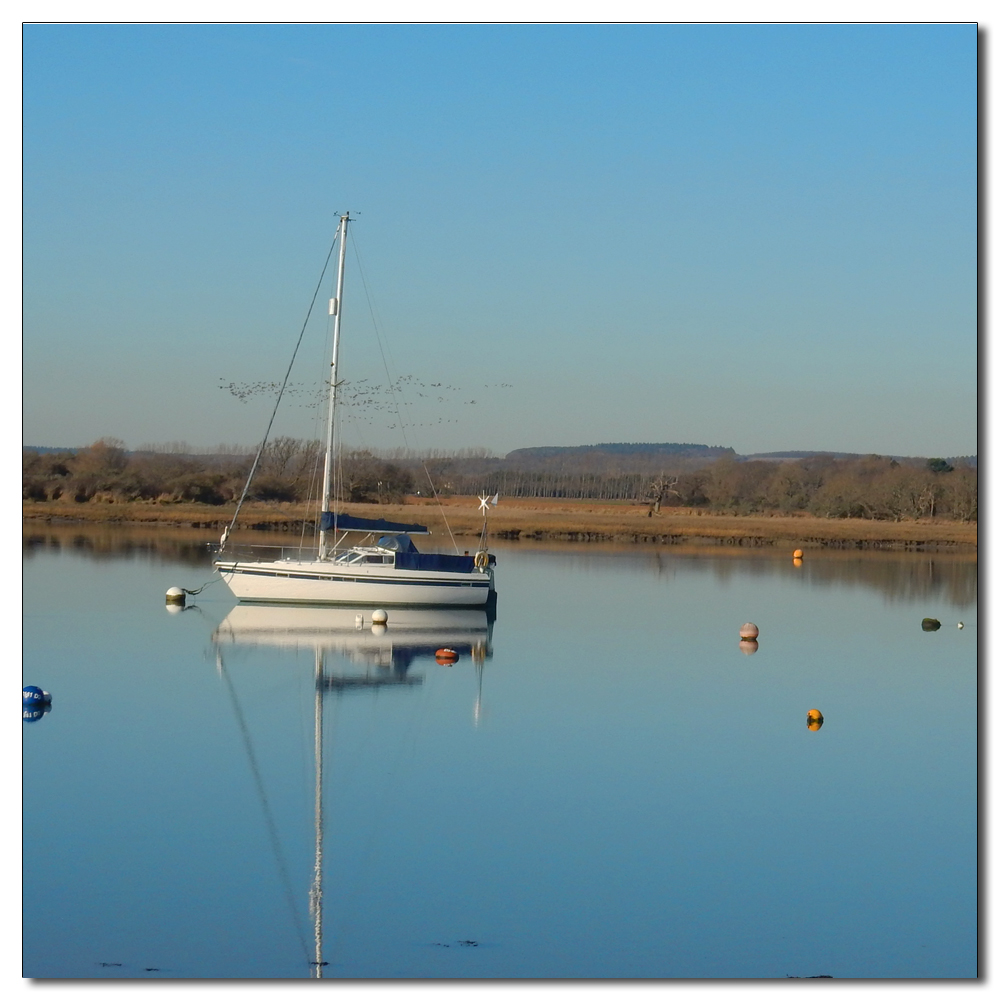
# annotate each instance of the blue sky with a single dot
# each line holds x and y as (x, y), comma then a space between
(759, 236)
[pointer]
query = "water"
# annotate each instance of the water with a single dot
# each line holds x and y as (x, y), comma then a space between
(604, 785)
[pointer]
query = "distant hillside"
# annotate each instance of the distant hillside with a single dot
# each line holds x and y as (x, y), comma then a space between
(792, 456)
(617, 456)
(622, 448)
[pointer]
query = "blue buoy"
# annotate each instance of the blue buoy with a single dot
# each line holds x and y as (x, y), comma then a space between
(31, 695)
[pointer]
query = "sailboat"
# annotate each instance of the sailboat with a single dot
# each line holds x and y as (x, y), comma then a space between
(384, 567)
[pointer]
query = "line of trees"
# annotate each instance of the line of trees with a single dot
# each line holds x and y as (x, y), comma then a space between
(290, 470)
(872, 487)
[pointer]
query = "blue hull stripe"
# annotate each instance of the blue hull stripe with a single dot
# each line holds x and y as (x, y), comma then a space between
(348, 579)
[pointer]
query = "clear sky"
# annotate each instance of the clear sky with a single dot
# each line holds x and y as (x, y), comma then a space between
(758, 236)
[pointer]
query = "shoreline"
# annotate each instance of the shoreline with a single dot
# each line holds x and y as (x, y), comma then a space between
(545, 520)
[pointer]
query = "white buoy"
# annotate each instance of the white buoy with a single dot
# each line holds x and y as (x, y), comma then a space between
(359, 621)
(379, 617)
(749, 631)
(961, 624)
(175, 596)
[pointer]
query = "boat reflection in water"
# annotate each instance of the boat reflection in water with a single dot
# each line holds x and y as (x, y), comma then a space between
(385, 652)
(410, 634)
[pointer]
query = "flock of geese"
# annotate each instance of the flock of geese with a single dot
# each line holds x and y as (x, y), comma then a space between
(366, 400)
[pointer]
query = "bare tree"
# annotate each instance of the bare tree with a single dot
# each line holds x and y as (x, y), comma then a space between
(659, 490)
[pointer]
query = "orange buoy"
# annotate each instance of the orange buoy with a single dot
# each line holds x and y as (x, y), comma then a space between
(797, 554)
(749, 631)
(446, 657)
(814, 719)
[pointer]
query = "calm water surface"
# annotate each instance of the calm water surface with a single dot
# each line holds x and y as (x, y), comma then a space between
(603, 786)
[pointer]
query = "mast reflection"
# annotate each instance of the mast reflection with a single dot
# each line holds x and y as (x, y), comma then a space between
(385, 652)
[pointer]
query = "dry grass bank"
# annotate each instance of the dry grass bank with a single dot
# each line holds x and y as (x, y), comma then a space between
(544, 519)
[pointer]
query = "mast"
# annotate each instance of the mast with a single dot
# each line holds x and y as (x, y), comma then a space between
(335, 311)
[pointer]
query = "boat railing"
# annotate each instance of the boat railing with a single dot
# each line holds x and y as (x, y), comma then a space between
(248, 552)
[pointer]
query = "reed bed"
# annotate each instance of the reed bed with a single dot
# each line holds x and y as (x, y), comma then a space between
(542, 519)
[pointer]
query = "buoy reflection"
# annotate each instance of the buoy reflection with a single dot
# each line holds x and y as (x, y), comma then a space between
(748, 646)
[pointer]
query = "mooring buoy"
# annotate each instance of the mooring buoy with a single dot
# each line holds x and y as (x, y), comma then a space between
(749, 631)
(446, 657)
(797, 554)
(32, 695)
(814, 719)
(176, 596)
(380, 617)
(930, 624)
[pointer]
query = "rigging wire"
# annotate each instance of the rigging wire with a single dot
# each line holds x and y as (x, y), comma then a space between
(272, 829)
(392, 392)
(312, 490)
(281, 391)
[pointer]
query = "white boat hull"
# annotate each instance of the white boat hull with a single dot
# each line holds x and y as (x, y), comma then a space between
(314, 582)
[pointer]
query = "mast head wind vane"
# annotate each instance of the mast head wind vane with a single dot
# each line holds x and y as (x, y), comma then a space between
(485, 502)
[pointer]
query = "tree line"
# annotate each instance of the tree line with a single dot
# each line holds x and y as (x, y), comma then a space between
(289, 470)
(873, 487)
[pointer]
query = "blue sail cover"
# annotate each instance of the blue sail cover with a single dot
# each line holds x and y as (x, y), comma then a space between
(345, 522)
(434, 560)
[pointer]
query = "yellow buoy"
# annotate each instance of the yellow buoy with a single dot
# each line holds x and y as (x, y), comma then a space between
(814, 719)
(797, 554)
